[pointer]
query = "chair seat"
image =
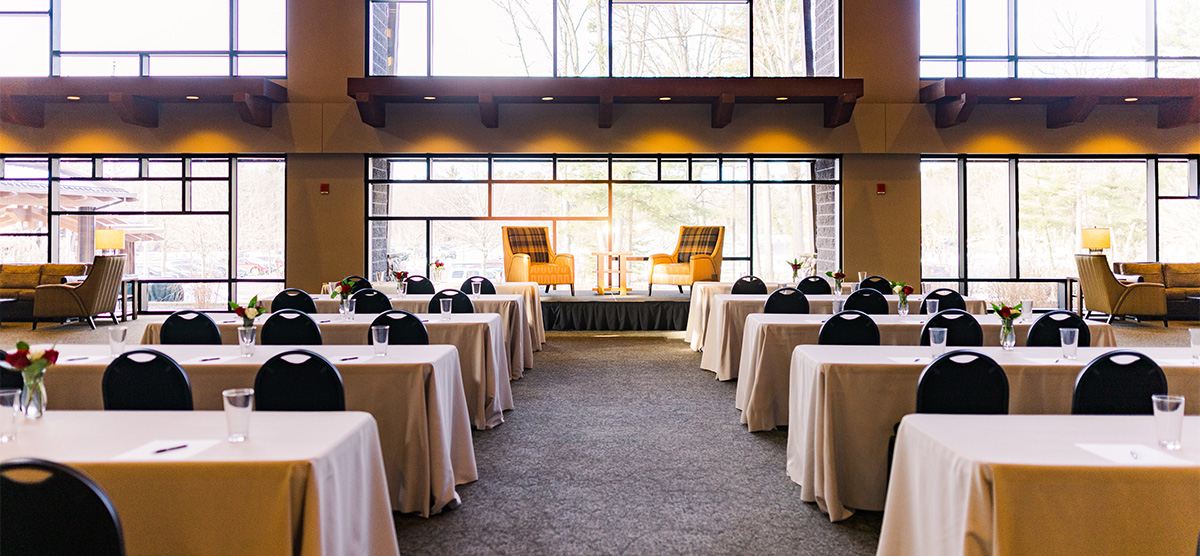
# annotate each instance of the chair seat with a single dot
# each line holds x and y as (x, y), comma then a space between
(677, 274)
(1175, 294)
(18, 294)
(550, 273)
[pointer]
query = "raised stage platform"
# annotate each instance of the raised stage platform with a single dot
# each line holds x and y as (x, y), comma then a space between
(667, 310)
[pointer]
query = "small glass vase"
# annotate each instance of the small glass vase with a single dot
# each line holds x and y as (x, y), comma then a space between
(344, 306)
(246, 339)
(1008, 336)
(33, 397)
(902, 306)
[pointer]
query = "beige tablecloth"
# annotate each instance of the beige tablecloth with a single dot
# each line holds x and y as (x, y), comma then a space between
(845, 401)
(701, 300)
(415, 393)
(302, 483)
(478, 337)
(762, 391)
(1017, 484)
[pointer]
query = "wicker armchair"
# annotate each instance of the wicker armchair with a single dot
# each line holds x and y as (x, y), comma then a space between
(1102, 291)
(94, 296)
(697, 257)
(528, 257)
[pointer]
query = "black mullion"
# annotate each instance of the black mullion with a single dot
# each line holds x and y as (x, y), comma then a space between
(750, 37)
(610, 49)
(1152, 246)
(1014, 224)
(52, 218)
(962, 224)
(428, 50)
(232, 222)
(55, 37)
(960, 38)
(554, 30)
(233, 38)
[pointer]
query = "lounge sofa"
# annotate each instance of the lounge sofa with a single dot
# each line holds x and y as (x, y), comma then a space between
(1181, 279)
(19, 281)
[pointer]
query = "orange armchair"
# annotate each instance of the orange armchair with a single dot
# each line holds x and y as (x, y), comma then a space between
(697, 258)
(528, 257)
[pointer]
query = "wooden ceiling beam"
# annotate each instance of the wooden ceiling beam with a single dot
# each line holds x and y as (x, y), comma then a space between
(722, 111)
(134, 109)
(1070, 111)
(604, 112)
(29, 112)
(489, 111)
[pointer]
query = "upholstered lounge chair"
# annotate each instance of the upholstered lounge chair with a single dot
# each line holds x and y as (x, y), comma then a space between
(1102, 291)
(528, 257)
(95, 296)
(697, 258)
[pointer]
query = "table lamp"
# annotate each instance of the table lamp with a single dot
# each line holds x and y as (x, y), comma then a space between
(1096, 240)
(110, 241)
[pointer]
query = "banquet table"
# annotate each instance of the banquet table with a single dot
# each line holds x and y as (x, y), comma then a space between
(1041, 484)
(698, 307)
(302, 483)
(415, 394)
(845, 401)
(762, 390)
(478, 337)
(518, 342)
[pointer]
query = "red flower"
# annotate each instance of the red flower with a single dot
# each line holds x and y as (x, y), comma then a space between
(839, 275)
(240, 311)
(1005, 312)
(18, 359)
(51, 356)
(908, 290)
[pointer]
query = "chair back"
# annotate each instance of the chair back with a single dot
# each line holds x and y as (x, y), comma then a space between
(62, 513)
(290, 327)
(371, 300)
(419, 285)
(814, 285)
(358, 283)
(1044, 331)
(1100, 288)
(145, 379)
(298, 380)
(867, 300)
(700, 240)
(787, 300)
(961, 328)
(528, 240)
(10, 379)
(460, 302)
(294, 298)
(99, 291)
(190, 327)
(964, 382)
(849, 328)
(877, 283)
(1118, 383)
(485, 286)
(749, 285)
(946, 298)
(404, 328)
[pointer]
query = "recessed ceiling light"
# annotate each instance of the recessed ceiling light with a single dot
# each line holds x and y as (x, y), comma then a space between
(72, 97)
(664, 98)
(1014, 99)
(1131, 99)
(547, 98)
(781, 98)
(192, 97)
(430, 98)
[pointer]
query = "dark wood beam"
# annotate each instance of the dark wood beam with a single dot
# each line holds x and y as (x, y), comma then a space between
(1179, 112)
(954, 111)
(372, 111)
(23, 111)
(1070, 111)
(605, 111)
(839, 110)
(489, 111)
(253, 109)
(134, 109)
(722, 111)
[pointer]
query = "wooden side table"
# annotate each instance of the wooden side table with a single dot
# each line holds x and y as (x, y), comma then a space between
(606, 274)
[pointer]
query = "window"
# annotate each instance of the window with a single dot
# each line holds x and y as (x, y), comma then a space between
(604, 38)
(185, 220)
(594, 203)
(1060, 38)
(143, 38)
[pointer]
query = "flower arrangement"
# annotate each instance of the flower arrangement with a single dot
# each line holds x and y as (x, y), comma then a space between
(837, 276)
(1008, 337)
(437, 266)
(32, 365)
(401, 275)
(800, 263)
(342, 289)
(902, 289)
(252, 309)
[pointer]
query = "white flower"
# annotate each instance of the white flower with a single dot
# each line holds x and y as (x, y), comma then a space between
(897, 288)
(35, 354)
(251, 312)
(337, 288)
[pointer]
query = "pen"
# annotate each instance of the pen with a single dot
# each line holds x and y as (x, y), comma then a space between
(211, 359)
(171, 448)
(348, 358)
(77, 359)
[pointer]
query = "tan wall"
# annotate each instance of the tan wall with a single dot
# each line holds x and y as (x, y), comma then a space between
(326, 237)
(881, 234)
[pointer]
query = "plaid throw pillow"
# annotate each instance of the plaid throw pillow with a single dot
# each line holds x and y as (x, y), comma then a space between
(531, 241)
(700, 240)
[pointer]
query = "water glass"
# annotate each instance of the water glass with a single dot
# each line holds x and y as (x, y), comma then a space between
(350, 303)
(1195, 332)
(116, 339)
(475, 287)
(838, 304)
(1027, 310)
(402, 288)
(379, 337)
(239, 402)
(862, 276)
(10, 403)
(937, 341)
(447, 305)
(1168, 420)
(1069, 338)
(931, 306)
(246, 336)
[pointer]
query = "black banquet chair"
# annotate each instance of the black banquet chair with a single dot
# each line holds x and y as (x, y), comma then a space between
(485, 286)
(946, 298)
(298, 380)
(814, 285)
(404, 328)
(963, 382)
(294, 298)
(418, 285)
(358, 283)
(962, 329)
(787, 300)
(460, 302)
(290, 327)
(370, 300)
(749, 285)
(64, 513)
(10, 379)
(1044, 331)
(1118, 383)
(189, 327)
(868, 301)
(877, 283)
(849, 328)
(147, 380)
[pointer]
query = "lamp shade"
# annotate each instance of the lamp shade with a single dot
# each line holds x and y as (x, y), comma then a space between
(110, 239)
(1096, 238)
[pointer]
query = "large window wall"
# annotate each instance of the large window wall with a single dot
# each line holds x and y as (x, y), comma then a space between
(450, 208)
(614, 38)
(1060, 38)
(1017, 220)
(199, 231)
(110, 38)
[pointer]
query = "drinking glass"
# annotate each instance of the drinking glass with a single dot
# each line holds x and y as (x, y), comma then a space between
(379, 336)
(1168, 420)
(1026, 310)
(475, 286)
(1069, 338)
(838, 304)
(246, 339)
(9, 404)
(239, 402)
(937, 341)
(931, 306)
(447, 304)
(1195, 333)
(402, 288)
(116, 339)
(862, 276)
(350, 308)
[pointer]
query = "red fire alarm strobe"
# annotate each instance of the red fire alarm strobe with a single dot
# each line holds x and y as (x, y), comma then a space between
(324, 189)
(880, 188)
